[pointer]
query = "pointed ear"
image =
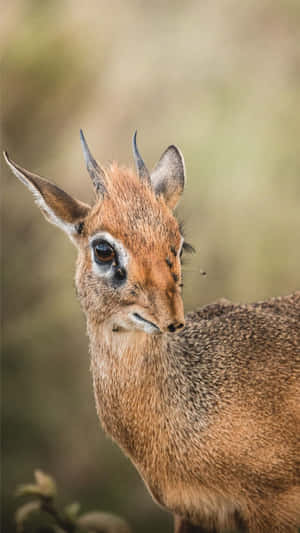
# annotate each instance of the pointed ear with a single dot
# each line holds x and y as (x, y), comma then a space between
(56, 205)
(168, 176)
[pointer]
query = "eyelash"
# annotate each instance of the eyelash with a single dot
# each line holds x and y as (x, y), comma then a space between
(188, 248)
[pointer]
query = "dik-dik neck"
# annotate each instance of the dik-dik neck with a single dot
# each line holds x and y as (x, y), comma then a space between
(131, 383)
(145, 401)
(133, 352)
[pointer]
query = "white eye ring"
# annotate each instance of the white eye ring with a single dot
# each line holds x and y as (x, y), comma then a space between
(105, 269)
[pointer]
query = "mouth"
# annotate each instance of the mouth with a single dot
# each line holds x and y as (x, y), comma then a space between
(145, 324)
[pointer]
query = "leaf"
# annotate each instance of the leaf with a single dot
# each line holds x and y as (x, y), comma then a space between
(46, 484)
(28, 489)
(96, 522)
(24, 511)
(72, 510)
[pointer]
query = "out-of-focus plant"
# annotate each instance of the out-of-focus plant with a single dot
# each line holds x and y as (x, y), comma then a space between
(41, 513)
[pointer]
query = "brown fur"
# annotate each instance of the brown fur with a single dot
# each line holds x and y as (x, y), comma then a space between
(209, 415)
(227, 450)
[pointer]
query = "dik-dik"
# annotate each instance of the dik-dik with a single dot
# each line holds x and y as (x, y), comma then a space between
(207, 405)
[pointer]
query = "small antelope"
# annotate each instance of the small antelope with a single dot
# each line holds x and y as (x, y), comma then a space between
(207, 405)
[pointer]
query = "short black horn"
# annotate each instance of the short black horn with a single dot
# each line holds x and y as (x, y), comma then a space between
(140, 165)
(96, 173)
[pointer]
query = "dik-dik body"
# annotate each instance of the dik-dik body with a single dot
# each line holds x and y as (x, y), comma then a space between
(207, 405)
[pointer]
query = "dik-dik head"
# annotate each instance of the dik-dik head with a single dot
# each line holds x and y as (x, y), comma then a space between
(129, 244)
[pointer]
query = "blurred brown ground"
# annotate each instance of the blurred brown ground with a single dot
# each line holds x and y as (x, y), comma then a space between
(219, 79)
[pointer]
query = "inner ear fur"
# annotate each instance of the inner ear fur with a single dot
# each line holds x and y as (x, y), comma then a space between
(168, 176)
(57, 206)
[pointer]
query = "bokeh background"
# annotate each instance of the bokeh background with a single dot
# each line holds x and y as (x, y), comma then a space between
(219, 79)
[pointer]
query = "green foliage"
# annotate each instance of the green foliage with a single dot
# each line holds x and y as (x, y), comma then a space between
(43, 513)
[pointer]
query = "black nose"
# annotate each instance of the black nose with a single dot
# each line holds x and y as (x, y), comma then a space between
(175, 326)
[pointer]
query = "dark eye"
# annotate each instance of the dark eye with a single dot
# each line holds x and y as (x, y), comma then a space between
(104, 252)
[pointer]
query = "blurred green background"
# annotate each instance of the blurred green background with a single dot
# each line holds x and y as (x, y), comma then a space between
(219, 79)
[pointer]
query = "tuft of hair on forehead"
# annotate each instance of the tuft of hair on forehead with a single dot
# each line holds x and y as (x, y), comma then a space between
(120, 178)
(132, 212)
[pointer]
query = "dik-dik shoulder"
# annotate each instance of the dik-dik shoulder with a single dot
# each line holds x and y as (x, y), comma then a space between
(249, 324)
(256, 345)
